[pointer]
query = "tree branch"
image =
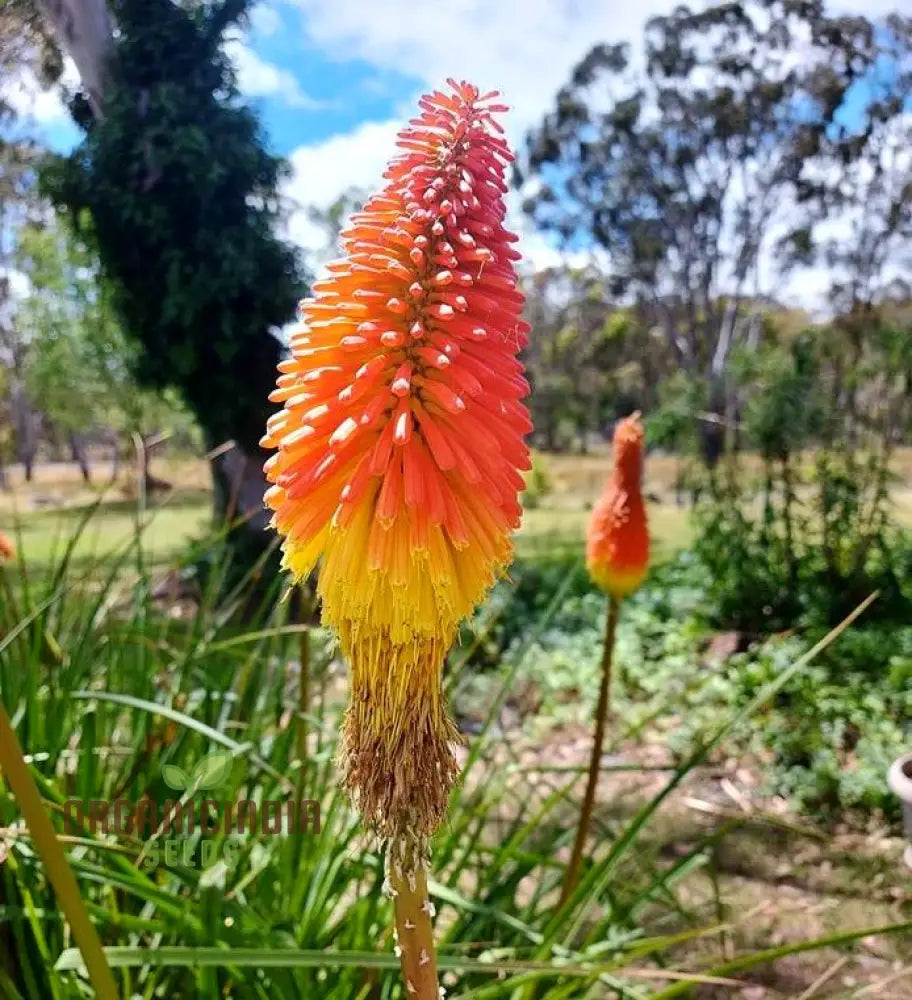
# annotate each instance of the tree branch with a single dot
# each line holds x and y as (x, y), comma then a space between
(83, 30)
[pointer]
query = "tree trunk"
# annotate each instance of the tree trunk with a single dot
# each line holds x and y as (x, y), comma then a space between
(582, 432)
(25, 421)
(115, 457)
(146, 443)
(83, 30)
(77, 451)
(711, 426)
(238, 488)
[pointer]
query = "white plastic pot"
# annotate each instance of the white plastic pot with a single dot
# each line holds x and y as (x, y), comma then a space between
(899, 778)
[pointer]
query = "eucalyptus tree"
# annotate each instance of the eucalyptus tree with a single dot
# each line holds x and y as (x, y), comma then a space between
(696, 168)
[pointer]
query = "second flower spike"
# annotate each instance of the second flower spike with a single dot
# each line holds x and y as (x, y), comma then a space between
(617, 544)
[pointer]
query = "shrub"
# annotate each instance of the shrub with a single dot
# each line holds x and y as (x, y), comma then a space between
(811, 535)
(539, 482)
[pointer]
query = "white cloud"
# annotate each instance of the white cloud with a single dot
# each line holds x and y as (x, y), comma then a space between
(524, 48)
(357, 159)
(258, 78)
(20, 285)
(322, 171)
(352, 159)
(265, 20)
(17, 286)
(30, 101)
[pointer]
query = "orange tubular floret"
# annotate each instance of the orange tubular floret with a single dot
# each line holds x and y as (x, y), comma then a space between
(400, 444)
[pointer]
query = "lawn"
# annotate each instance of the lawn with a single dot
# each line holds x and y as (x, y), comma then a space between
(44, 514)
(168, 527)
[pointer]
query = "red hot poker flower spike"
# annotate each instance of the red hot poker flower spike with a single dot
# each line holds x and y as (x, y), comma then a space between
(399, 448)
(617, 545)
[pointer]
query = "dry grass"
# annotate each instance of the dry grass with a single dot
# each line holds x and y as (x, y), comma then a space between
(58, 485)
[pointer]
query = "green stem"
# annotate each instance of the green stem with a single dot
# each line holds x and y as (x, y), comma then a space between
(303, 698)
(601, 714)
(13, 766)
(301, 734)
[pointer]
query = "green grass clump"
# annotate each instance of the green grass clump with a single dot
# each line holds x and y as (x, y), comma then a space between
(117, 695)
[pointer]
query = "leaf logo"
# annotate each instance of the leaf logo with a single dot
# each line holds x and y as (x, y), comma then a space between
(209, 772)
(174, 777)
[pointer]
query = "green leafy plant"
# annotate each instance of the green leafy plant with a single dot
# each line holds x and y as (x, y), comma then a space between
(811, 531)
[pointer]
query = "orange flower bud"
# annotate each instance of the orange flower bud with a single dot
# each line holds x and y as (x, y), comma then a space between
(617, 545)
(7, 549)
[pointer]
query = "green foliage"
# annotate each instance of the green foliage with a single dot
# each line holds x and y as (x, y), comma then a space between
(671, 423)
(659, 637)
(334, 217)
(784, 411)
(807, 537)
(138, 699)
(828, 736)
(183, 201)
(749, 566)
(834, 731)
(78, 365)
(768, 576)
(589, 360)
(539, 482)
(522, 598)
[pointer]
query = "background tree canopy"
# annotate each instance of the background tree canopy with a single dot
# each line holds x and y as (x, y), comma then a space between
(180, 197)
(725, 156)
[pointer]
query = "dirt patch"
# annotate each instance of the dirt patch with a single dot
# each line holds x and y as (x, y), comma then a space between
(773, 877)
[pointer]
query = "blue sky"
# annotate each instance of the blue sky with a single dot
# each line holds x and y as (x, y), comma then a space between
(334, 79)
(303, 92)
(323, 94)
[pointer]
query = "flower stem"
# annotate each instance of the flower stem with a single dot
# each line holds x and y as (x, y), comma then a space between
(303, 698)
(601, 714)
(413, 911)
(301, 734)
(16, 772)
